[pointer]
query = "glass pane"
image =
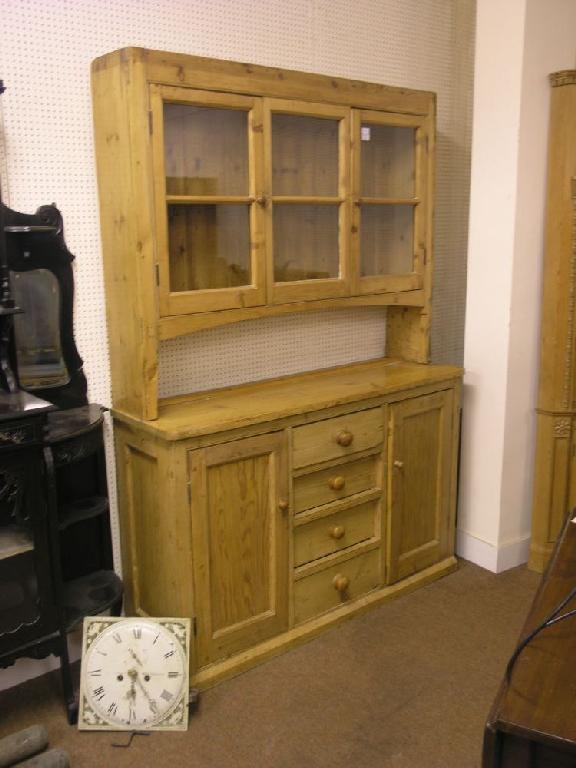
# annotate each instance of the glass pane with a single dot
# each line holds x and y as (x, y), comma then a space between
(305, 242)
(386, 240)
(387, 161)
(304, 155)
(205, 150)
(209, 246)
(37, 330)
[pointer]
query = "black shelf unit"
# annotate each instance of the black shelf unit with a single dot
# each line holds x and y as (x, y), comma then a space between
(58, 564)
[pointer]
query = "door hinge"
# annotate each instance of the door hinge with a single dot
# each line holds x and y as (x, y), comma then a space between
(150, 122)
(189, 491)
(194, 626)
(157, 274)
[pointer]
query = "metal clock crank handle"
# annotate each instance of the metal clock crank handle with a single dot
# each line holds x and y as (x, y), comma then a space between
(132, 734)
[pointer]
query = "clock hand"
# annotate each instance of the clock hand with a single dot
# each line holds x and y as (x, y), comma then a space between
(151, 702)
(136, 659)
(131, 693)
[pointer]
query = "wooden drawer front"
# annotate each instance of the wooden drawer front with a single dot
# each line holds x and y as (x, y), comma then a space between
(341, 436)
(335, 483)
(334, 532)
(323, 591)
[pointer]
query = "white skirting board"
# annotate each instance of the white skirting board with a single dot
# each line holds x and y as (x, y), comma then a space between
(496, 558)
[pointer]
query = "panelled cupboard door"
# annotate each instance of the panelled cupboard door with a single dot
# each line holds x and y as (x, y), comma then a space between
(307, 180)
(391, 179)
(239, 494)
(419, 467)
(207, 158)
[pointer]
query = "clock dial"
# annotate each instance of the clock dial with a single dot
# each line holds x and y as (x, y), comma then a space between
(134, 673)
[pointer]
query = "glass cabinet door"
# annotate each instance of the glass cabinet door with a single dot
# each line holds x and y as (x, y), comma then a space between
(209, 200)
(389, 186)
(307, 175)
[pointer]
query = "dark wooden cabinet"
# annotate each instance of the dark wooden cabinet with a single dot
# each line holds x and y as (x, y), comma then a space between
(55, 545)
(532, 723)
(27, 607)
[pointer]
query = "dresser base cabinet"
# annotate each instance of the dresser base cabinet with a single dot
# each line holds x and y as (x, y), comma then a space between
(272, 511)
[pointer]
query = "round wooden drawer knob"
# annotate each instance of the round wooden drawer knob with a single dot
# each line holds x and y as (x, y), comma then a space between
(344, 438)
(341, 583)
(336, 531)
(337, 483)
(283, 505)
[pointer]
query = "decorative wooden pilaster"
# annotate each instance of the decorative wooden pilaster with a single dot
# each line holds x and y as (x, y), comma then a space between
(555, 466)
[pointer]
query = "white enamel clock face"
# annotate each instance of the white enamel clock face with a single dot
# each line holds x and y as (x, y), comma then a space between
(134, 674)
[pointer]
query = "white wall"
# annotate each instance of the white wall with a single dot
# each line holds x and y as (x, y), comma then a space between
(47, 152)
(518, 44)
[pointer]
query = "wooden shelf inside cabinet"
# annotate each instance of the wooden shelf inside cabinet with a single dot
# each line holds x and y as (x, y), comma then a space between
(73, 434)
(14, 541)
(82, 509)
(90, 595)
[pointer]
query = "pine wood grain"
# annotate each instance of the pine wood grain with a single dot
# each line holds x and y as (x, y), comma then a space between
(226, 409)
(554, 492)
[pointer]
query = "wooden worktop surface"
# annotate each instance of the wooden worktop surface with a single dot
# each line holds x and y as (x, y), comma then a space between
(221, 410)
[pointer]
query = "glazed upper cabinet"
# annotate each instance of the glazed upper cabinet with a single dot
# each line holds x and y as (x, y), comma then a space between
(230, 192)
(272, 201)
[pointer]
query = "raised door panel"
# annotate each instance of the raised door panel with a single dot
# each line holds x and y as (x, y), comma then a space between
(420, 473)
(240, 544)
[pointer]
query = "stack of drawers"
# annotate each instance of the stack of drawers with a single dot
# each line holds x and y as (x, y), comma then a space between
(338, 491)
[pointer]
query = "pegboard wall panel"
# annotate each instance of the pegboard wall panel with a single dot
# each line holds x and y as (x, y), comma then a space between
(357, 334)
(47, 150)
(47, 128)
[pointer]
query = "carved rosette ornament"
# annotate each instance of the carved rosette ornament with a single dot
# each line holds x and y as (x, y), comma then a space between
(12, 482)
(562, 427)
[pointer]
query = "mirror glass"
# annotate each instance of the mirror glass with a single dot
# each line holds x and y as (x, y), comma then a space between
(37, 330)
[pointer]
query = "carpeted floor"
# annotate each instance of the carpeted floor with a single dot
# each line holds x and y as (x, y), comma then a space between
(407, 685)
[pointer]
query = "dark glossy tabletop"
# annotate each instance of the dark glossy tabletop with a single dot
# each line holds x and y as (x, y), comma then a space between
(540, 700)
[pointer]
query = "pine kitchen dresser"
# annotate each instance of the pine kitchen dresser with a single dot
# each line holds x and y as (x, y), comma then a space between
(269, 511)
